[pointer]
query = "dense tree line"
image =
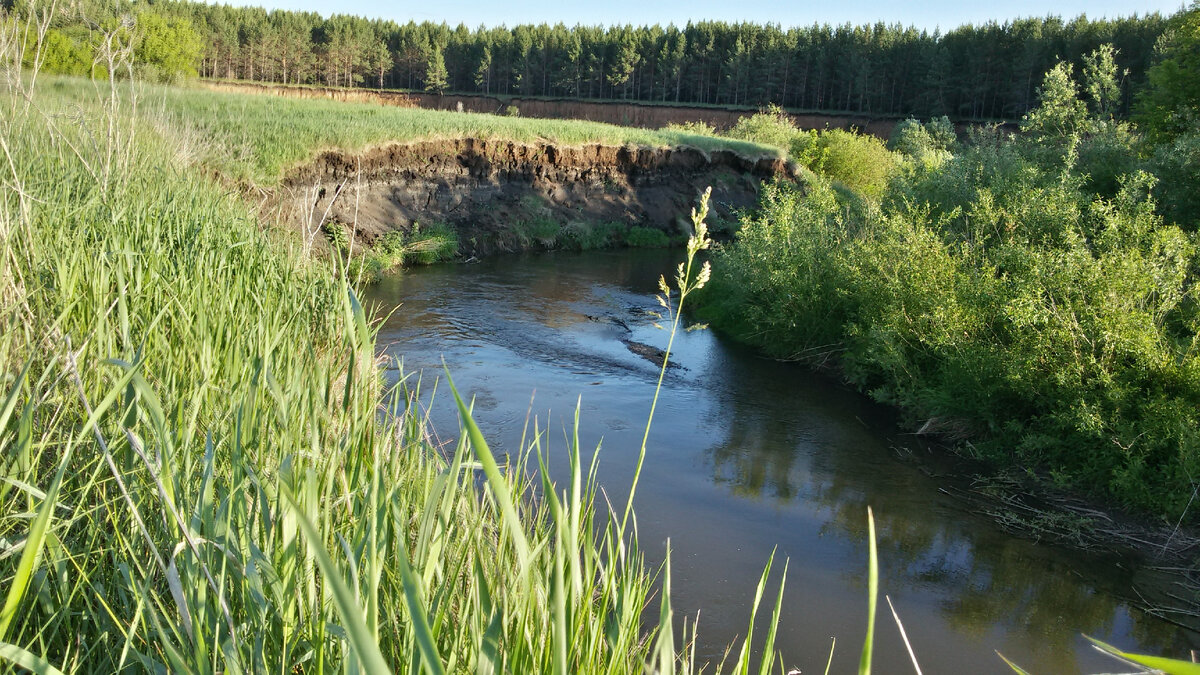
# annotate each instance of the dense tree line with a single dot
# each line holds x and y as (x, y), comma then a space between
(974, 71)
(990, 70)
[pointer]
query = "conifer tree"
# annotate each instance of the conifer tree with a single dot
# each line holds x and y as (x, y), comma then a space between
(435, 72)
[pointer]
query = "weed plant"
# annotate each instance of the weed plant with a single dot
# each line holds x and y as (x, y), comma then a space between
(646, 237)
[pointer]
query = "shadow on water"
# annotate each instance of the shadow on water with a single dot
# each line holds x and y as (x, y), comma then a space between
(748, 456)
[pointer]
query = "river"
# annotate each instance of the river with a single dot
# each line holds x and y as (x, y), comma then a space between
(748, 456)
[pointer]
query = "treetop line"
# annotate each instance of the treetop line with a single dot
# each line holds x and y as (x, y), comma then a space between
(987, 71)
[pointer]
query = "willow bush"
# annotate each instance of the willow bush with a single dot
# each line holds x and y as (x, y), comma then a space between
(1003, 296)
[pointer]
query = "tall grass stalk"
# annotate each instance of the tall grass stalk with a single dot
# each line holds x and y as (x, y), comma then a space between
(864, 664)
(685, 284)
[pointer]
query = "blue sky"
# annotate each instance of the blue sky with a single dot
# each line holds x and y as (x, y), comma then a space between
(929, 14)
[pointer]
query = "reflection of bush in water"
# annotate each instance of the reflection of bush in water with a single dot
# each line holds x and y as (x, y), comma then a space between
(988, 576)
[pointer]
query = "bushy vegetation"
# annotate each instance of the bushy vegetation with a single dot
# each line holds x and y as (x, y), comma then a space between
(588, 236)
(421, 245)
(646, 237)
(1170, 106)
(856, 161)
(155, 46)
(930, 141)
(1031, 296)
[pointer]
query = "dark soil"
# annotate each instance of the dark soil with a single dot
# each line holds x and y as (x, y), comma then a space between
(485, 189)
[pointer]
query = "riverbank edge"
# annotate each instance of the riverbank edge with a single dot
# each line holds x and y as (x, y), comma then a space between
(1028, 505)
(503, 196)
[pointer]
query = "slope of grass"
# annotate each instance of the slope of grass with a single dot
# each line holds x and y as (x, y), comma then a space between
(257, 137)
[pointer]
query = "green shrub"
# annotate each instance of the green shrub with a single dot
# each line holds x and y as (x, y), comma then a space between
(433, 244)
(646, 237)
(993, 299)
(806, 148)
(585, 236)
(538, 231)
(1106, 156)
(861, 162)
(942, 134)
(694, 127)
(1177, 166)
(167, 47)
(772, 126)
(923, 141)
(910, 138)
(62, 53)
(368, 268)
(335, 232)
(391, 243)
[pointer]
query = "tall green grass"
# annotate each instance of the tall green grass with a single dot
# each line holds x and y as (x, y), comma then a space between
(195, 474)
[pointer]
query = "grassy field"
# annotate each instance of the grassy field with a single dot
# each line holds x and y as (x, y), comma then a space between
(194, 472)
(257, 138)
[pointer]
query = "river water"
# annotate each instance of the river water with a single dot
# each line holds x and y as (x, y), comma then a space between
(749, 456)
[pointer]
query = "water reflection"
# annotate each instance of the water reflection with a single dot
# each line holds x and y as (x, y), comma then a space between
(833, 459)
(749, 456)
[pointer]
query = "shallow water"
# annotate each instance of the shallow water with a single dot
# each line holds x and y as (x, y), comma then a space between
(747, 456)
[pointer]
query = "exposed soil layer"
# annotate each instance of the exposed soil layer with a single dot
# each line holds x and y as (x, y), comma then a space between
(489, 191)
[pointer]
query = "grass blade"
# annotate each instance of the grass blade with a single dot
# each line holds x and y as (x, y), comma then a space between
(496, 481)
(23, 659)
(1158, 663)
(769, 647)
(1016, 669)
(32, 555)
(357, 634)
(864, 663)
(418, 615)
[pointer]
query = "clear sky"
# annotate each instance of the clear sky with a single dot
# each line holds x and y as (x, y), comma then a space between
(928, 14)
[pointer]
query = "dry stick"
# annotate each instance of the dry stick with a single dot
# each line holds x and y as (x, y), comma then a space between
(1178, 523)
(828, 663)
(18, 283)
(903, 635)
(43, 26)
(354, 226)
(336, 193)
